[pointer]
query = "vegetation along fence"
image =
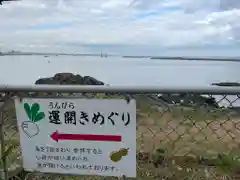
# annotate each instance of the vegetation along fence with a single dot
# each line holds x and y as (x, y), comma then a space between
(182, 133)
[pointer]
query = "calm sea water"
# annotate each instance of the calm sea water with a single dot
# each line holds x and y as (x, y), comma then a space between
(25, 70)
(118, 71)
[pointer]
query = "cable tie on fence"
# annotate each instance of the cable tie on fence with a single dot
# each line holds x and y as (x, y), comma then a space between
(127, 98)
(20, 97)
(123, 177)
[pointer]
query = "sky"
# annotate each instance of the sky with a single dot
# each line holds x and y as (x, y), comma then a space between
(122, 26)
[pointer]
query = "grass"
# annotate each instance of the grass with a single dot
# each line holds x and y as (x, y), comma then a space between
(177, 142)
(187, 132)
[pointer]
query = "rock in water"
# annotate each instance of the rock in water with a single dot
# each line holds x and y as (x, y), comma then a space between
(70, 79)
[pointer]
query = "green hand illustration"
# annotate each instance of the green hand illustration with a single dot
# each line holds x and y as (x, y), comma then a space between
(30, 128)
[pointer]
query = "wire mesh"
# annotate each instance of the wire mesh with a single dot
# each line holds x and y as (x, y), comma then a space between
(179, 136)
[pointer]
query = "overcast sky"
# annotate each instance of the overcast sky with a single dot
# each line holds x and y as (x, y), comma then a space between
(81, 25)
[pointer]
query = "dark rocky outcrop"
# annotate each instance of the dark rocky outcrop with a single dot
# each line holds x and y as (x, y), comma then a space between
(46, 81)
(226, 84)
(189, 100)
(69, 78)
(88, 80)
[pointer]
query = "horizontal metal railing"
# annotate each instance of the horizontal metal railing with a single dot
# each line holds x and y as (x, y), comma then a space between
(120, 89)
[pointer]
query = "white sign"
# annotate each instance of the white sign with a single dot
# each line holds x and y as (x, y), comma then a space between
(78, 136)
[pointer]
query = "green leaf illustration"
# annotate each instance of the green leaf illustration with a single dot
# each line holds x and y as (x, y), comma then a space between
(35, 108)
(33, 112)
(28, 110)
(39, 116)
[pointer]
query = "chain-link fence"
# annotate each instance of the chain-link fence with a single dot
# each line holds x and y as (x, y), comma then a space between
(181, 134)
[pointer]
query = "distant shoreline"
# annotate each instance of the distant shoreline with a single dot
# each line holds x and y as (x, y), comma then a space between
(229, 84)
(105, 55)
(198, 58)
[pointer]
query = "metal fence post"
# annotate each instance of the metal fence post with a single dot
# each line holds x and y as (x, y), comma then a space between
(3, 148)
